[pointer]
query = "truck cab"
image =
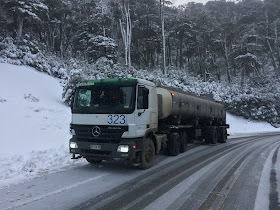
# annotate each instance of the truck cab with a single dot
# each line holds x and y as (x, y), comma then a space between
(111, 118)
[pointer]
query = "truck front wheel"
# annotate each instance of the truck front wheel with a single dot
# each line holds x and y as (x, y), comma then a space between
(148, 154)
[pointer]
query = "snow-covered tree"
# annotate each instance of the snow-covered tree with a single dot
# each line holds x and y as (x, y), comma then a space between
(24, 10)
(162, 18)
(126, 31)
(100, 46)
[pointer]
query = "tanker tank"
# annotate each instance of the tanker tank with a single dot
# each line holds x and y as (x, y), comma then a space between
(184, 108)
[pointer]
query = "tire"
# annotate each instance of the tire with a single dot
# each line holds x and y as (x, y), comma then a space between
(207, 140)
(174, 144)
(223, 135)
(206, 135)
(191, 136)
(212, 135)
(94, 160)
(148, 154)
(184, 142)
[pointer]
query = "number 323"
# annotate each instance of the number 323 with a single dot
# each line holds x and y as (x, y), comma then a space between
(116, 119)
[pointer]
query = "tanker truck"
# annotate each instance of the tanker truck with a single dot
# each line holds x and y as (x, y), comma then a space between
(135, 119)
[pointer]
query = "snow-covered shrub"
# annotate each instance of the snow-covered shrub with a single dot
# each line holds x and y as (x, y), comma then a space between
(100, 46)
(255, 108)
(28, 53)
(31, 98)
(75, 76)
(256, 100)
(9, 52)
(57, 67)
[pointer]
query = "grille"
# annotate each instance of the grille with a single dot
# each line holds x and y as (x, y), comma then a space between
(109, 134)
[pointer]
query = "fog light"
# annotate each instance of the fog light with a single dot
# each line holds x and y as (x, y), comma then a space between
(123, 148)
(73, 145)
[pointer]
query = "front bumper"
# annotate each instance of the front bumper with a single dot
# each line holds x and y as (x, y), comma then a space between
(106, 150)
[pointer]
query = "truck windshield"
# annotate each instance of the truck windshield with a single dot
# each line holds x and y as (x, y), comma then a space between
(104, 99)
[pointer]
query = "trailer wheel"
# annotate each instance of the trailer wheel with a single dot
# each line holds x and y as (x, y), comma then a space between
(174, 144)
(212, 135)
(148, 154)
(184, 141)
(191, 135)
(93, 160)
(223, 135)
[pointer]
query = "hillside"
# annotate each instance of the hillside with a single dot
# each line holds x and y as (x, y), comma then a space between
(35, 124)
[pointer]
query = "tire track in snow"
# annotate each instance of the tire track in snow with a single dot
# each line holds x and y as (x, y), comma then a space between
(273, 195)
(217, 182)
(137, 193)
(219, 194)
(40, 197)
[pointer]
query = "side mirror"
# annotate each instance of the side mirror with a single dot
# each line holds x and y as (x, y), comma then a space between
(72, 102)
(71, 105)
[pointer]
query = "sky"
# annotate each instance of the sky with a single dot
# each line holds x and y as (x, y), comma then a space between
(179, 2)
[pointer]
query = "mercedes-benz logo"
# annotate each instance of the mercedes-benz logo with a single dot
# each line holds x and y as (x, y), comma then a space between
(96, 131)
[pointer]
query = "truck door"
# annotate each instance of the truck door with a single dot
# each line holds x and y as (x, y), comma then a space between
(143, 110)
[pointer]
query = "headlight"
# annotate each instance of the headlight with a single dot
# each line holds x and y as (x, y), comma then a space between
(123, 148)
(73, 145)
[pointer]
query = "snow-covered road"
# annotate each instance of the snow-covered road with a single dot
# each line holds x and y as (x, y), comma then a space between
(238, 174)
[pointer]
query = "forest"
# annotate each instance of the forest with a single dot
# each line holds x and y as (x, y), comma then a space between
(228, 49)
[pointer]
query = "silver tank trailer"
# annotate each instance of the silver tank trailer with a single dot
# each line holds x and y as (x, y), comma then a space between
(187, 107)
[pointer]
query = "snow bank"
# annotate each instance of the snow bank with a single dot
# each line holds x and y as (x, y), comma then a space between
(241, 126)
(34, 125)
(33, 116)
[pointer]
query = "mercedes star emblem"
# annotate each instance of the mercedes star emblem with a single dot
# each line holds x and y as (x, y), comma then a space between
(96, 131)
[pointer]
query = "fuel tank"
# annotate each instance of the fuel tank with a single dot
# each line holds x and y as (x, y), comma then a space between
(173, 104)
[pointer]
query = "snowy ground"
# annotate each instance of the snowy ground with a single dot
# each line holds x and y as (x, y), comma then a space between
(34, 125)
(240, 126)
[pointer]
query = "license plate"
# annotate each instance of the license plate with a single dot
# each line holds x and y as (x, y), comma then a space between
(96, 147)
